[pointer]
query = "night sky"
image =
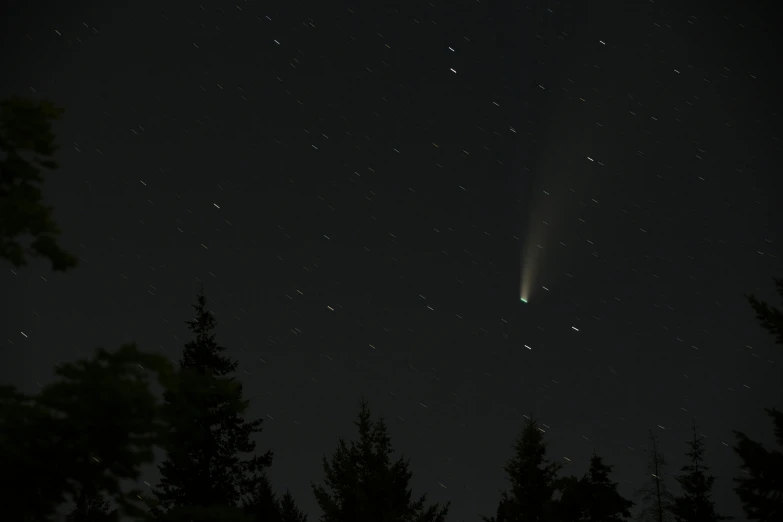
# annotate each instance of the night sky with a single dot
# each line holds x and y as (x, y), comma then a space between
(360, 190)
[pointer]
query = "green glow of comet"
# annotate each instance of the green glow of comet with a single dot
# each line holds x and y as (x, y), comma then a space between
(523, 299)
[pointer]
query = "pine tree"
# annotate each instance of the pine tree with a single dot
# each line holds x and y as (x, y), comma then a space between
(262, 504)
(770, 317)
(761, 492)
(695, 504)
(289, 512)
(91, 507)
(593, 498)
(362, 484)
(656, 493)
(572, 504)
(208, 461)
(605, 502)
(533, 481)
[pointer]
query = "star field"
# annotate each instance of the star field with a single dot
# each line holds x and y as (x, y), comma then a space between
(355, 185)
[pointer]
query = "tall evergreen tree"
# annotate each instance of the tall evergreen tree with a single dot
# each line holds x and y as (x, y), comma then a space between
(208, 462)
(656, 493)
(533, 481)
(91, 507)
(362, 484)
(593, 498)
(761, 491)
(770, 317)
(289, 512)
(695, 504)
(605, 502)
(262, 505)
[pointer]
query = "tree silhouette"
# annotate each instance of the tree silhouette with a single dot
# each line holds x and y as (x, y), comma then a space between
(363, 484)
(27, 144)
(89, 430)
(91, 507)
(594, 497)
(761, 492)
(656, 493)
(289, 512)
(533, 481)
(264, 506)
(207, 464)
(695, 504)
(770, 317)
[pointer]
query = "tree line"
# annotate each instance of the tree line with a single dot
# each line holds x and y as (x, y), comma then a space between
(79, 439)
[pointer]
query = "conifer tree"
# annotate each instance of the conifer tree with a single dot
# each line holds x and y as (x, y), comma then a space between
(262, 505)
(605, 504)
(209, 461)
(655, 493)
(362, 484)
(695, 504)
(593, 498)
(761, 491)
(289, 512)
(571, 506)
(770, 317)
(533, 481)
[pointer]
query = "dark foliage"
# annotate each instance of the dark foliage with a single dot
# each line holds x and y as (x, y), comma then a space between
(363, 484)
(27, 145)
(209, 452)
(593, 498)
(761, 491)
(92, 428)
(770, 317)
(533, 481)
(91, 507)
(289, 512)
(695, 503)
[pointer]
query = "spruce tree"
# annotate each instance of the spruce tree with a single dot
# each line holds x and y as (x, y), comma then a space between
(573, 501)
(655, 493)
(209, 452)
(605, 503)
(593, 498)
(262, 505)
(289, 512)
(695, 504)
(363, 484)
(770, 317)
(761, 490)
(533, 481)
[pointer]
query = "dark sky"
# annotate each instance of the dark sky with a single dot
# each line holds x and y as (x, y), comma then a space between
(357, 212)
